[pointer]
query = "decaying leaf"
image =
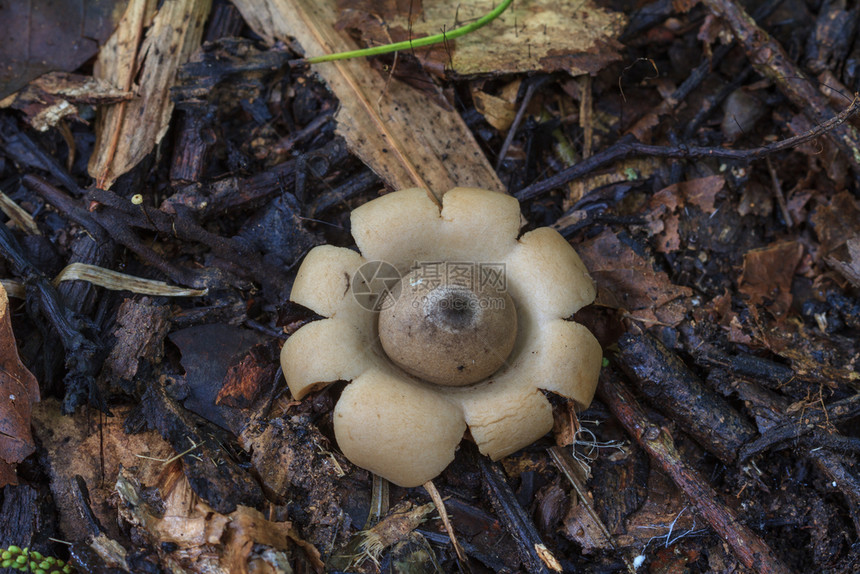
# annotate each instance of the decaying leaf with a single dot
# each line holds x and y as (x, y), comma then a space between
(537, 35)
(768, 273)
(667, 205)
(40, 36)
(396, 130)
(626, 280)
(579, 525)
(837, 225)
(93, 448)
(127, 131)
(19, 390)
(192, 535)
(48, 99)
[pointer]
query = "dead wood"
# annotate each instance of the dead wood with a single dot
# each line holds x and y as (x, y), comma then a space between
(658, 442)
(679, 394)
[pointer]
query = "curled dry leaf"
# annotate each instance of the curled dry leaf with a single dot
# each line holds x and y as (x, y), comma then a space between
(18, 391)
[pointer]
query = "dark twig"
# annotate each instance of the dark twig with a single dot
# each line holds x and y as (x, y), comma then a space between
(676, 391)
(771, 61)
(68, 207)
(182, 227)
(24, 150)
(809, 421)
(747, 546)
(627, 146)
(42, 298)
(515, 125)
(516, 519)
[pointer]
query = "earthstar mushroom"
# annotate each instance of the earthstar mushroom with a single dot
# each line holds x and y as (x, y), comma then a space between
(433, 353)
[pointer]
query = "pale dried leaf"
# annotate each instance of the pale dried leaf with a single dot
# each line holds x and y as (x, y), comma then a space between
(126, 132)
(18, 215)
(396, 130)
(116, 281)
(498, 113)
(547, 35)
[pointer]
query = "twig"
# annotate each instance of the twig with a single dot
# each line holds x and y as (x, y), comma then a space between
(515, 125)
(777, 191)
(771, 61)
(443, 514)
(792, 428)
(674, 389)
(627, 146)
(749, 548)
(81, 353)
(515, 519)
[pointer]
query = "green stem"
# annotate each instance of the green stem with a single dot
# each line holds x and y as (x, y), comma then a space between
(415, 43)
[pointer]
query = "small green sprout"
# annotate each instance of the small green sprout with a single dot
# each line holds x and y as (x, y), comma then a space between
(23, 560)
(413, 43)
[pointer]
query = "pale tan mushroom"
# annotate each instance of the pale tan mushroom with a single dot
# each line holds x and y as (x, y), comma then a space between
(427, 360)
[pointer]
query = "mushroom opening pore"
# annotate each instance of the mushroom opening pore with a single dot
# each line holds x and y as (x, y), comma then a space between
(450, 335)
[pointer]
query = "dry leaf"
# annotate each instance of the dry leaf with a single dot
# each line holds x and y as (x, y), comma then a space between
(126, 132)
(189, 532)
(626, 280)
(93, 448)
(42, 35)
(47, 100)
(664, 216)
(499, 111)
(768, 273)
(579, 526)
(546, 35)
(19, 390)
(396, 130)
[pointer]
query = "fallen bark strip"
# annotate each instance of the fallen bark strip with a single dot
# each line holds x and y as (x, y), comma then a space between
(771, 61)
(747, 546)
(628, 147)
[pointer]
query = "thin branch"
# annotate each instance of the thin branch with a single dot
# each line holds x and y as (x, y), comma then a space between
(627, 147)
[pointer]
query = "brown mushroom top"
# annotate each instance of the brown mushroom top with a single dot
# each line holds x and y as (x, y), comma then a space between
(446, 319)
